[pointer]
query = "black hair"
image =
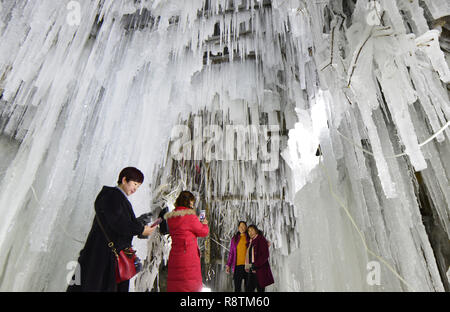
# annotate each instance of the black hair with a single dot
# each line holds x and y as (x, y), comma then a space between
(258, 231)
(238, 234)
(239, 223)
(131, 174)
(254, 227)
(184, 199)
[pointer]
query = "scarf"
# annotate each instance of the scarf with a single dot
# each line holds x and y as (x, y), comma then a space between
(250, 258)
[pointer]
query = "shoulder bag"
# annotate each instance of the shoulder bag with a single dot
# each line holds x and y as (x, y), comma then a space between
(126, 263)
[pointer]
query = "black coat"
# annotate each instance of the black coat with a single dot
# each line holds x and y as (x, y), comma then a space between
(97, 261)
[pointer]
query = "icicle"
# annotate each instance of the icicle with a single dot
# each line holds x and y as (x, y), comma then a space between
(345, 101)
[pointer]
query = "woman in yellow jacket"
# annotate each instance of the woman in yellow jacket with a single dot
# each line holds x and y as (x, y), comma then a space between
(236, 257)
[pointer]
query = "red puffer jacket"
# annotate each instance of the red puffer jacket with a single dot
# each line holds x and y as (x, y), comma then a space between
(184, 271)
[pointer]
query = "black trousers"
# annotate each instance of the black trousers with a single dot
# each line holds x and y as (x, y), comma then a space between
(252, 283)
(123, 287)
(239, 276)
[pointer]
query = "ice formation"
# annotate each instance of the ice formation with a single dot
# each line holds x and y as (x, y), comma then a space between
(340, 110)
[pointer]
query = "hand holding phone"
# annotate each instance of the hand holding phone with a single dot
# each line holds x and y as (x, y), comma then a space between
(157, 222)
(202, 215)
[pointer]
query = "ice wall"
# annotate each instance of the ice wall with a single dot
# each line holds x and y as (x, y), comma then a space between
(78, 93)
(359, 208)
(89, 87)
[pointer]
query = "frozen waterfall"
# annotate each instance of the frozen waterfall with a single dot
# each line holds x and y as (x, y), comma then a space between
(324, 122)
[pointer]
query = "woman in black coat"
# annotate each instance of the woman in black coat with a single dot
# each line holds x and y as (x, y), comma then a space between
(112, 208)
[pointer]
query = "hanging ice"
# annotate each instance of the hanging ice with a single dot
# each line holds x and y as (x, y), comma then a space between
(332, 104)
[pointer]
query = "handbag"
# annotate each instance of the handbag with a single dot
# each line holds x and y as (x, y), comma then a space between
(127, 264)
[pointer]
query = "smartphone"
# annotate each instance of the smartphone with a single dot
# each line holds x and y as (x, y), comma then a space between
(202, 215)
(157, 222)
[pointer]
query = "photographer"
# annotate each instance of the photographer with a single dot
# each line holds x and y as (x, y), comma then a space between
(184, 270)
(115, 214)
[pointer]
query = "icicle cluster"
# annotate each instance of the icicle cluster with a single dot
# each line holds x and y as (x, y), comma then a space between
(91, 86)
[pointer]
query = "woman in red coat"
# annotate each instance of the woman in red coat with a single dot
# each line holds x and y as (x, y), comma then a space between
(184, 270)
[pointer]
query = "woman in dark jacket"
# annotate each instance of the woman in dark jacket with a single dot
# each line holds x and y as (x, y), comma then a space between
(257, 261)
(114, 211)
(236, 257)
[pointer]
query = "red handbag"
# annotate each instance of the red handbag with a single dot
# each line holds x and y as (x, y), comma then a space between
(125, 259)
(125, 267)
